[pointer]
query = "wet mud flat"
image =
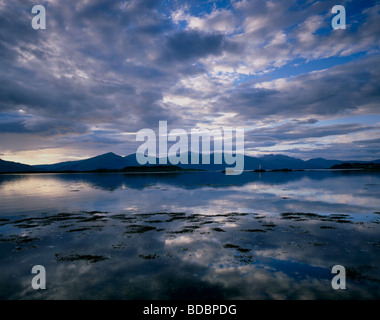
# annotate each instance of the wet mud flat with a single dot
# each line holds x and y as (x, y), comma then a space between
(177, 255)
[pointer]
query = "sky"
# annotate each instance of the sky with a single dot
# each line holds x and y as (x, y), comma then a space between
(103, 70)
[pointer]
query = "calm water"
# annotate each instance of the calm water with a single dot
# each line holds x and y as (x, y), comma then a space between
(197, 235)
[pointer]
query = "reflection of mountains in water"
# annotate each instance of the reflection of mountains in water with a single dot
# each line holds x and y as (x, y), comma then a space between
(186, 180)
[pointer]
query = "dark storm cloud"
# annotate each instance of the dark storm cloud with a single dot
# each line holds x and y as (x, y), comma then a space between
(293, 131)
(103, 67)
(12, 127)
(111, 43)
(369, 142)
(350, 87)
(89, 67)
(193, 45)
(348, 151)
(39, 125)
(15, 28)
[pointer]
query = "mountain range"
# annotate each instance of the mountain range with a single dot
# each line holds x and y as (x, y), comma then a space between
(112, 161)
(9, 166)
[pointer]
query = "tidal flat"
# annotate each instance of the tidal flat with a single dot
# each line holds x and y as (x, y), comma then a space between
(174, 237)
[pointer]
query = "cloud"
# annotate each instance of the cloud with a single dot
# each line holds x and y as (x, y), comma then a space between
(121, 66)
(352, 87)
(81, 70)
(190, 46)
(346, 151)
(295, 131)
(218, 20)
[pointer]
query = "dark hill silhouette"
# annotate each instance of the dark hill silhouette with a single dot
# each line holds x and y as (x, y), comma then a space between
(10, 166)
(112, 161)
(105, 161)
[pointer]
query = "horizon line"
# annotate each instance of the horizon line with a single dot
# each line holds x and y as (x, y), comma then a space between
(200, 153)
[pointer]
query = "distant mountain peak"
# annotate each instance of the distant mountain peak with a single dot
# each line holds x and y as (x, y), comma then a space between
(276, 156)
(107, 154)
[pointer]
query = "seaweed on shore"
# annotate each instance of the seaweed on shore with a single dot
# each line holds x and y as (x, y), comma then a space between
(300, 216)
(269, 225)
(184, 230)
(359, 273)
(137, 228)
(238, 248)
(183, 217)
(18, 239)
(254, 230)
(123, 217)
(75, 257)
(245, 259)
(149, 256)
(230, 246)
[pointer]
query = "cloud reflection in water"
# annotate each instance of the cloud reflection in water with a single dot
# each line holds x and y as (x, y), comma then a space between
(185, 239)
